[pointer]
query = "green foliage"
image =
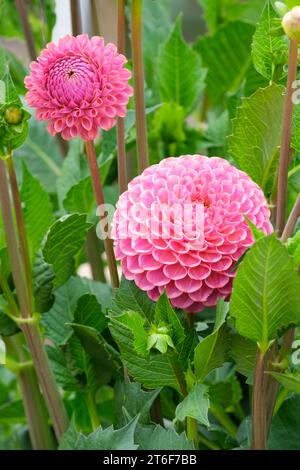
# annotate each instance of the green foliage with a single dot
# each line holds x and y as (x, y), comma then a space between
(64, 239)
(269, 52)
(226, 71)
(195, 405)
(159, 438)
(181, 73)
(284, 433)
(255, 139)
(265, 294)
(101, 439)
(37, 209)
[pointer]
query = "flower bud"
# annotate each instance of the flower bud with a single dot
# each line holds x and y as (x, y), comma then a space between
(13, 115)
(281, 8)
(291, 24)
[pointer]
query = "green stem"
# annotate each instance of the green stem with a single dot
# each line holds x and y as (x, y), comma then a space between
(37, 417)
(259, 428)
(24, 248)
(138, 77)
(93, 413)
(99, 196)
(122, 164)
(211, 445)
(286, 140)
(223, 418)
(31, 331)
(192, 430)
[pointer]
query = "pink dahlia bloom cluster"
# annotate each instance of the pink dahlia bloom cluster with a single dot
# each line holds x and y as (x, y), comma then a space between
(194, 263)
(79, 86)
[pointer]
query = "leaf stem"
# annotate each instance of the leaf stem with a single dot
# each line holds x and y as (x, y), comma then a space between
(37, 417)
(192, 430)
(24, 249)
(138, 77)
(259, 429)
(31, 330)
(93, 413)
(292, 221)
(98, 191)
(286, 140)
(223, 418)
(122, 165)
(21, 7)
(94, 256)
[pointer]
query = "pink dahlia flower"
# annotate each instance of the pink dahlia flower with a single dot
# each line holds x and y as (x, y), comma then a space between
(79, 86)
(165, 242)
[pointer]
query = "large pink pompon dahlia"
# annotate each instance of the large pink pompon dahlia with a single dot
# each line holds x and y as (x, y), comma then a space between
(79, 86)
(181, 227)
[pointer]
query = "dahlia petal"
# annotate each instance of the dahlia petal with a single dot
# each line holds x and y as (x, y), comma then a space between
(175, 271)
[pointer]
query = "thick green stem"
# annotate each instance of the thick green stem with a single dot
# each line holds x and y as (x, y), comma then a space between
(31, 330)
(24, 248)
(122, 165)
(223, 418)
(259, 429)
(192, 430)
(93, 413)
(36, 413)
(286, 140)
(98, 191)
(138, 77)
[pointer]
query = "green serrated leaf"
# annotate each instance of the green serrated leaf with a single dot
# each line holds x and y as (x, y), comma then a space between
(195, 405)
(166, 314)
(289, 381)
(80, 197)
(254, 143)
(269, 52)
(265, 294)
(130, 297)
(159, 438)
(243, 352)
(211, 352)
(37, 210)
(43, 277)
(56, 321)
(181, 73)
(285, 428)
(63, 241)
(101, 439)
(226, 70)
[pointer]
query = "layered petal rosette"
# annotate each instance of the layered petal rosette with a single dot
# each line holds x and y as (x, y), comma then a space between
(181, 226)
(79, 86)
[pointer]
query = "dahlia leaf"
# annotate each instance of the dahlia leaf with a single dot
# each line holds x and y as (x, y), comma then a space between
(289, 381)
(265, 293)
(64, 239)
(130, 297)
(43, 277)
(243, 352)
(56, 321)
(101, 439)
(211, 352)
(285, 428)
(226, 71)
(195, 405)
(269, 52)
(152, 371)
(80, 197)
(41, 155)
(181, 73)
(165, 313)
(134, 400)
(37, 210)
(159, 438)
(254, 143)
(293, 246)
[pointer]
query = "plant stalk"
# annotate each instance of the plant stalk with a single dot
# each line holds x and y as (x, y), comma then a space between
(122, 165)
(259, 429)
(284, 161)
(37, 417)
(21, 7)
(223, 418)
(30, 329)
(24, 248)
(98, 191)
(76, 17)
(138, 77)
(94, 256)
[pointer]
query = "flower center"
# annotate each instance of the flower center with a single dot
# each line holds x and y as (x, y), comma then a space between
(198, 198)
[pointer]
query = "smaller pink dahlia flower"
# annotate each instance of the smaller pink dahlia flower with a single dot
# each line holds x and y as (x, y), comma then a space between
(79, 86)
(181, 227)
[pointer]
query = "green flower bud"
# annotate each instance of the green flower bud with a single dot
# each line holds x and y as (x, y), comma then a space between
(13, 115)
(159, 338)
(291, 24)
